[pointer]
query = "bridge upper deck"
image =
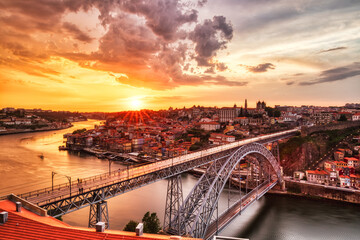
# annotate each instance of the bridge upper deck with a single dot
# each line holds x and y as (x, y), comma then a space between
(44, 196)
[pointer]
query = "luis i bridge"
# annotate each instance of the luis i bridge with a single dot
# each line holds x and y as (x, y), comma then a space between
(196, 216)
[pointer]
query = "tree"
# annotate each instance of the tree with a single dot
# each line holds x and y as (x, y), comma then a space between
(151, 223)
(131, 226)
(277, 113)
(196, 146)
(241, 113)
(79, 131)
(342, 118)
(270, 111)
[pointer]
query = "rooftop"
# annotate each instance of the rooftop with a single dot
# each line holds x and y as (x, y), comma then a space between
(28, 225)
(320, 172)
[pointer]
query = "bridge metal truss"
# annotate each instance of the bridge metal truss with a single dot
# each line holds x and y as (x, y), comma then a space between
(199, 206)
(99, 213)
(108, 190)
(174, 200)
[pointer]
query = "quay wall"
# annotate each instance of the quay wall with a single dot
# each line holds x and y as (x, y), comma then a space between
(333, 126)
(299, 188)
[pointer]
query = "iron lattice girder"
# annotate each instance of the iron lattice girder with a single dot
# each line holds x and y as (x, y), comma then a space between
(78, 201)
(174, 200)
(198, 207)
(99, 213)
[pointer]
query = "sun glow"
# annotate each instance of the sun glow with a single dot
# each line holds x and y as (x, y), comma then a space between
(136, 104)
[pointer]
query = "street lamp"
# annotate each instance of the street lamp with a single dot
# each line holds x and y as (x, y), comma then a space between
(109, 166)
(52, 180)
(69, 178)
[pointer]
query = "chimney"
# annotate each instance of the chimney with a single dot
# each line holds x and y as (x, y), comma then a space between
(139, 229)
(18, 206)
(3, 217)
(100, 227)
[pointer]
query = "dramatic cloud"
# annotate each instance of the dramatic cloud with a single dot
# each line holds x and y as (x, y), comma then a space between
(164, 17)
(221, 67)
(290, 83)
(263, 67)
(205, 36)
(201, 3)
(336, 74)
(146, 42)
(333, 49)
(76, 32)
(132, 47)
(210, 70)
(221, 80)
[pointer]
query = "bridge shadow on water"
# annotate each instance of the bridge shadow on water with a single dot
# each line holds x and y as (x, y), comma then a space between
(290, 217)
(254, 225)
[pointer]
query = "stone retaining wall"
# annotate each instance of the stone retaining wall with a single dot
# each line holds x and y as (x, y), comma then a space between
(323, 192)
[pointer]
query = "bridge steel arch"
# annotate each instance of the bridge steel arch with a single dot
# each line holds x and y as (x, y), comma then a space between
(196, 212)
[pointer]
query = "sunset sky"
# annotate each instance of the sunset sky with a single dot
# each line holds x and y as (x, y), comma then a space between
(115, 55)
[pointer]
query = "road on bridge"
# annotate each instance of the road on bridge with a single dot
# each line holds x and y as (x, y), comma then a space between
(48, 195)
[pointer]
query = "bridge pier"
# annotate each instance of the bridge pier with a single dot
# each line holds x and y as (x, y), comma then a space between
(174, 200)
(99, 213)
(275, 150)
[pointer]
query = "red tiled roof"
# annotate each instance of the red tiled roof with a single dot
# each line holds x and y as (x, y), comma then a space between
(342, 176)
(354, 175)
(210, 123)
(321, 172)
(28, 225)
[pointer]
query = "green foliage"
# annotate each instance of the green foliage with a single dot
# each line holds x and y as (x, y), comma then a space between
(59, 116)
(241, 113)
(238, 136)
(196, 146)
(277, 113)
(257, 115)
(342, 118)
(200, 133)
(151, 223)
(290, 146)
(335, 136)
(131, 226)
(79, 131)
(270, 111)
(331, 138)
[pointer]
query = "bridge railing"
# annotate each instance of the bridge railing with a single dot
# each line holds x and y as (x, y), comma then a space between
(152, 166)
(131, 169)
(75, 182)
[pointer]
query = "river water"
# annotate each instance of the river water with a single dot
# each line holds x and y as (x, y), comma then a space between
(273, 217)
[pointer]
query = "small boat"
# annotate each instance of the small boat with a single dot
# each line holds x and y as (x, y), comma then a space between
(41, 156)
(62, 147)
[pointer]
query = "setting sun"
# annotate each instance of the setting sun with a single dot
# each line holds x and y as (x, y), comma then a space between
(136, 104)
